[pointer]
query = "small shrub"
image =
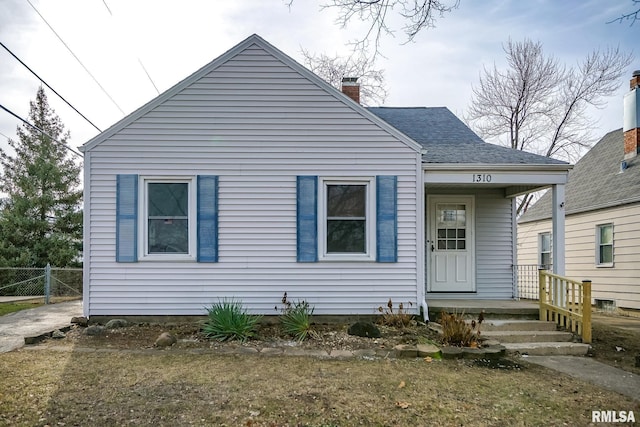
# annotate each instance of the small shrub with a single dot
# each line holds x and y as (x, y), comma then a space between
(399, 318)
(296, 318)
(455, 331)
(228, 320)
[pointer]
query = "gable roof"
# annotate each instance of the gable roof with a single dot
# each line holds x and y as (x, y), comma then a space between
(596, 181)
(208, 68)
(448, 140)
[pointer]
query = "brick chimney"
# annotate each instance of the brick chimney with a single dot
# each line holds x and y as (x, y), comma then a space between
(351, 88)
(631, 127)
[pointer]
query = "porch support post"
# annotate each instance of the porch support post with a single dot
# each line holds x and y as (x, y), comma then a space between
(558, 229)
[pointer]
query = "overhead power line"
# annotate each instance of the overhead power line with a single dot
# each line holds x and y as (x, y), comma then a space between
(39, 130)
(138, 57)
(77, 59)
(5, 136)
(47, 84)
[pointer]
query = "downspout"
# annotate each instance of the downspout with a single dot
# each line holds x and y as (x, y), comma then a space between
(420, 229)
(86, 236)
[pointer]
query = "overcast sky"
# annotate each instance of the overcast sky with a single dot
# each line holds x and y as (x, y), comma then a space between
(174, 38)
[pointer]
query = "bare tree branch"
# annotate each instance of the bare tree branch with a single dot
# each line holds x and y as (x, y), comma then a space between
(334, 68)
(416, 14)
(631, 16)
(539, 105)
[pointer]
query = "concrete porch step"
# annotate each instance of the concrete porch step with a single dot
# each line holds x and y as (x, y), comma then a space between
(491, 309)
(547, 348)
(516, 325)
(527, 336)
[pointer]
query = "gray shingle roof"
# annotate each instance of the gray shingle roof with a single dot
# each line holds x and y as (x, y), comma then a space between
(596, 181)
(448, 140)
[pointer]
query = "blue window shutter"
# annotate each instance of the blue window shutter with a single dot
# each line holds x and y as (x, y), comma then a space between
(207, 218)
(387, 219)
(127, 218)
(307, 218)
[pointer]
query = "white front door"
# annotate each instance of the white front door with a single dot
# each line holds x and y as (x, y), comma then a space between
(450, 244)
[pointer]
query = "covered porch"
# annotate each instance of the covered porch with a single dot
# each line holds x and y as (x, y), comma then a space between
(470, 230)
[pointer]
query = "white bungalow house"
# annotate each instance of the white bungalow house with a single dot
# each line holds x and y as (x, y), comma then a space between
(602, 215)
(254, 177)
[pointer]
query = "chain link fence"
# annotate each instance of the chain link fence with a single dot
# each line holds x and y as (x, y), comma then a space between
(51, 283)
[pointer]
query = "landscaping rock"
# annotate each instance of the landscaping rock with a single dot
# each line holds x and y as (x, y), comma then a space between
(428, 350)
(638, 361)
(405, 351)
(80, 321)
(451, 352)
(165, 340)
(116, 323)
(493, 352)
(364, 329)
(94, 330)
(58, 334)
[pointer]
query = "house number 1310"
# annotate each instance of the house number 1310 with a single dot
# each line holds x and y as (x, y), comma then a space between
(481, 177)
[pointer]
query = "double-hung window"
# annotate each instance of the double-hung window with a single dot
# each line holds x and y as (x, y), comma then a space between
(604, 245)
(347, 219)
(347, 226)
(168, 220)
(544, 247)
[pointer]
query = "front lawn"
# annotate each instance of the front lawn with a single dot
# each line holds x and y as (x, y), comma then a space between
(11, 307)
(69, 385)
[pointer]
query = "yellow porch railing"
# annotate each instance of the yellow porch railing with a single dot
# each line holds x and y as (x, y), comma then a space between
(566, 302)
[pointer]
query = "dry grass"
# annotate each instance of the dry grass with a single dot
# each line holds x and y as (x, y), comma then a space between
(616, 347)
(106, 387)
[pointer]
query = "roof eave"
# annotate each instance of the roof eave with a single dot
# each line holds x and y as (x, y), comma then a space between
(593, 208)
(538, 167)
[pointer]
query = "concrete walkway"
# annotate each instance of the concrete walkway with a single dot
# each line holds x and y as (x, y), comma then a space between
(14, 327)
(590, 370)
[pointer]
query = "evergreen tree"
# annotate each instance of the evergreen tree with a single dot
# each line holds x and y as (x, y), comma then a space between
(40, 217)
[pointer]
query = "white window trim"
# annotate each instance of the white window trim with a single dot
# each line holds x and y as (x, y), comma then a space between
(143, 209)
(540, 248)
(370, 228)
(600, 264)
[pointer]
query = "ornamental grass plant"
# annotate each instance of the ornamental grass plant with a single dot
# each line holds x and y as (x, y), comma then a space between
(296, 318)
(227, 320)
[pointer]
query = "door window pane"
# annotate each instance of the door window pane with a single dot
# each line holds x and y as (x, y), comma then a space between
(451, 226)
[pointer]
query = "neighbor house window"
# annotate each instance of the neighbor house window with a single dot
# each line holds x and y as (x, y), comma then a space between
(168, 218)
(347, 225)
(604, 245)
(544, 245)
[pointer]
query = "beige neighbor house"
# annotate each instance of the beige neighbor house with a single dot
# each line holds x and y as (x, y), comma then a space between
(602, 216)
(253, 177)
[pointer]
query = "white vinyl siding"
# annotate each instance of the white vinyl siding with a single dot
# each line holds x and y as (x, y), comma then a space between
(256, 124)
(621, 283)
(494, 247)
